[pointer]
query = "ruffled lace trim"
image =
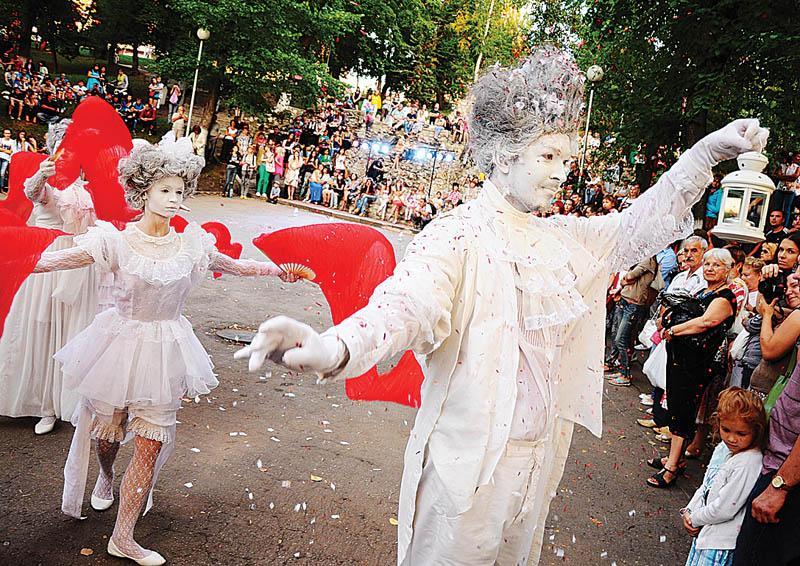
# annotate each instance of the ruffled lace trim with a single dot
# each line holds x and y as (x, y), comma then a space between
(192, 256)
(141, 427)
(107, 431)
(549, 297)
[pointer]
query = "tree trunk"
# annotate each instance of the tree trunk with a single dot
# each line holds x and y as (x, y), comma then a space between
(135, 60)
(55, 59)
(209, 116)
(28, 13)
(696, 128)
(110, 51)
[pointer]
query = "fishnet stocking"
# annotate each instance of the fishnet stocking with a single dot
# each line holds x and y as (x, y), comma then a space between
(106, 454)
(135, 487)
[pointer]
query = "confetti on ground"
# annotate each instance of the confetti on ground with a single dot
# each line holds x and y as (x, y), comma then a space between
(297, 555)
(315, 478)
(195, 450)
(188, 484)
(86, 551)
(632, 512)
(333, 486)
(560, 553)
(286, 483)
(289, 395)
(344, 443)
(297, 508)
(393, 521)
(334, 516)
(662, 538)
(604, 554)
(274, 439)
(271, 505)
(259, 464)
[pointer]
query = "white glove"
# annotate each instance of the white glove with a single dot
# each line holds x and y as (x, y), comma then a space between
(47, 168)
(295, 345)
(738, 137)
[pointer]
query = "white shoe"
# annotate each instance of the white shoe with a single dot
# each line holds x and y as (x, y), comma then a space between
(45, 425)
(100, 504)
(152, 558)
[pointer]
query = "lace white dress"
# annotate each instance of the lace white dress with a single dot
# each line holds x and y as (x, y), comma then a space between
(139, 357)
(48, 310)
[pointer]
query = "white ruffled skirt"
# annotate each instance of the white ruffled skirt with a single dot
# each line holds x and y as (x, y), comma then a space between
(125, 362)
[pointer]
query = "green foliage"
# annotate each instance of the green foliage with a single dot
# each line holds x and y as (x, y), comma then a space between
(677, 69)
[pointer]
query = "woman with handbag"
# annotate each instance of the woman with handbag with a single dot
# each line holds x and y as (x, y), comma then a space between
(696, 331)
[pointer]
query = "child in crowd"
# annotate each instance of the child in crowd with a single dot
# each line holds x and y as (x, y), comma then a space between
(715, 513)
(232, 171)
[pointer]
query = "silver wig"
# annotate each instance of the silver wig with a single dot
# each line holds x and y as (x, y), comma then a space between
(512, 107)
(55, 134)
(148, 163)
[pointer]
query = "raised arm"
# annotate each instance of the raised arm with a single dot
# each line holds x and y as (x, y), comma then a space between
(245, 267)
(36, 185)
(662, 214)
(71, 258)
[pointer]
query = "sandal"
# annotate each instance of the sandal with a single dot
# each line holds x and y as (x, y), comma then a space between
(620, 381)
(657, 480)
(658, 464)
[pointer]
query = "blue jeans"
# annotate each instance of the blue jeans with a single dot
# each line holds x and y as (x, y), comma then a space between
(627, 318)
(4, 172)
(230, 178)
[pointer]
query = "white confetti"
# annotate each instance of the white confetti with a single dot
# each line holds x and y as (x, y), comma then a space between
(286, 483)
(632, 512)
(270, 429)
(604, 554)
(259, 464)
(188, 484)
(195, 450)
(333, 486)
(271, 505)
(274, 439)
(560, 553)
(334, 516)
(662, 538)
(289, 395)
(344, 443)
(297, 508)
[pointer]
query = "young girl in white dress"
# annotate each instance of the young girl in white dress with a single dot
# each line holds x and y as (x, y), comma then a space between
(135, 361)
(50, 308)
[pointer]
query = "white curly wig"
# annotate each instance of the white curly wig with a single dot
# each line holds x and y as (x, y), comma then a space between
(149, 163)
(511, 107)
(55, 134)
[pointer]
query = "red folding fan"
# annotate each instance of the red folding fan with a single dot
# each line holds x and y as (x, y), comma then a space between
(23, 165)
(20, 251)
(348, 261)
(224, 244)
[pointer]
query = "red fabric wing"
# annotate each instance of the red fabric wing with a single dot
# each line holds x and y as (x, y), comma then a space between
(95, 142)
(224, 244)
(349, 260)
(23, 165)
(21, 249)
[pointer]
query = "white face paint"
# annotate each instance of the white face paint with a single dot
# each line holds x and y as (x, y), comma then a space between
(531, 180)
(164, 197)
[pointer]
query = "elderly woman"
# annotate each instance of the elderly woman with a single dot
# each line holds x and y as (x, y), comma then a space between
(696, 354)
(135, 361)
(487, 297)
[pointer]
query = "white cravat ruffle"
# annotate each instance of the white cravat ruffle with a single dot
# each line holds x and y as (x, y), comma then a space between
(549, 296)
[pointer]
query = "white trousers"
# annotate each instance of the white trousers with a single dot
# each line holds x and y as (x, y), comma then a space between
(500, 525)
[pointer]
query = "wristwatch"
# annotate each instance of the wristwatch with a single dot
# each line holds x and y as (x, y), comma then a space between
(779, 483)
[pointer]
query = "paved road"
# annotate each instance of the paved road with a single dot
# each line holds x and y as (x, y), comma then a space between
(240, 490)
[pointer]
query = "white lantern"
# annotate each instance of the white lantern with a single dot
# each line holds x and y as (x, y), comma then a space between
(745, 200)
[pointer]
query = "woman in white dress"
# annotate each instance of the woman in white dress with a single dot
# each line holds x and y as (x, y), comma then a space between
(135, 361)
(50, 308)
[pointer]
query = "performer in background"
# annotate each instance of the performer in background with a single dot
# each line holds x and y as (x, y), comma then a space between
(50, 308)
(135, 361)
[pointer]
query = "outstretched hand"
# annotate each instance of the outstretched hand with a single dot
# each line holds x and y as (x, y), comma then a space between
(738, 137)
(295, 345)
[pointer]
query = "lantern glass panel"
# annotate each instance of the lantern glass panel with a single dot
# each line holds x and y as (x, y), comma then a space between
(733, 206)
(755, 209)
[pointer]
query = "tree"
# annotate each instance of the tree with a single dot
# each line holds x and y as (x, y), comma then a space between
(677, 69)
(258, 49)
(57, 21)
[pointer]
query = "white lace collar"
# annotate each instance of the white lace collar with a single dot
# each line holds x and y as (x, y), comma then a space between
(169, 258)
(547, 284)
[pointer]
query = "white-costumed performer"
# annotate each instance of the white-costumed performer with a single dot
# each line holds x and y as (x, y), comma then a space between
(505, 312)
(50, 308)
(135, 361)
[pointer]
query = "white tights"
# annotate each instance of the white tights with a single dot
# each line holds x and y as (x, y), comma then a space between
(136, 484)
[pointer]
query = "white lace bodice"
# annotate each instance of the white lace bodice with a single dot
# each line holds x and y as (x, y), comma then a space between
(153, 275)
(71, 209)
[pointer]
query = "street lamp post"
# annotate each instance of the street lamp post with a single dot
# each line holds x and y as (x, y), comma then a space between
(202, 34)
(433, 172)
(594, 74)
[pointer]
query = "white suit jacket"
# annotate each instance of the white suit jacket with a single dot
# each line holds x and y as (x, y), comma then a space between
(454, 303)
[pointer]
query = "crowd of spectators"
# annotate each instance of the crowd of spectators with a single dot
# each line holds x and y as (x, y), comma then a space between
(319, 157)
